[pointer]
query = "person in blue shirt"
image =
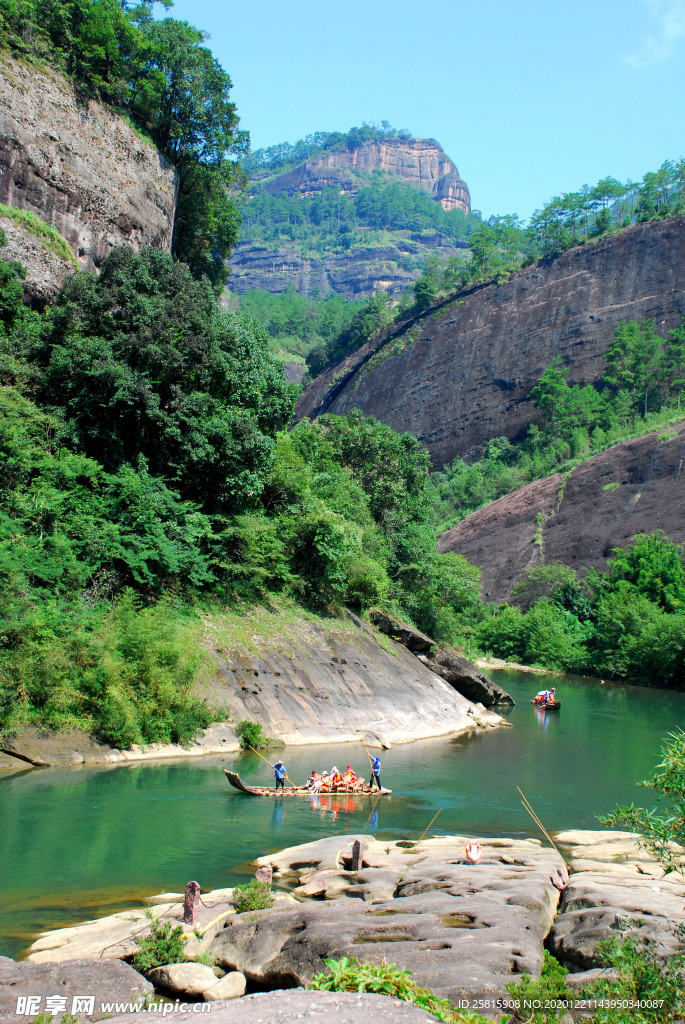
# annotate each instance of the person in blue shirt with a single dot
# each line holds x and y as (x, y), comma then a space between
(376, 771)
(280, 771)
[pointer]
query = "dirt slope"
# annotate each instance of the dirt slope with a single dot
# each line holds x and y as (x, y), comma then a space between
(582, 519)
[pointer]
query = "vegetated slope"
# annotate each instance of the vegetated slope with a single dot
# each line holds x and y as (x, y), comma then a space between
(461, 372)
(634, 487)
(349, 247)
(80, 168)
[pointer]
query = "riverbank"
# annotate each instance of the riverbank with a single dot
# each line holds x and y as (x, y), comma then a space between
(306, 679)
(465, 930)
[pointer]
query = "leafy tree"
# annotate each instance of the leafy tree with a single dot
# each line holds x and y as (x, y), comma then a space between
(635, 362)
(144, 365)
(553, 581)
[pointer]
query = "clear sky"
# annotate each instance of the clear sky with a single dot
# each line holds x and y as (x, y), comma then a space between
(529, 98)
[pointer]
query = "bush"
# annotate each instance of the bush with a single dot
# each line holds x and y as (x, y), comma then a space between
(549, 988)
(349, 975)
(642, 978)
(250, 734)
(254, 895)
(164, 945)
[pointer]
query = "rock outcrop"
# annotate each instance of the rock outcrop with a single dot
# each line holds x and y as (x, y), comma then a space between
(80, 167)
(421, 162)
(461, 373)
(292, 1006)
(305, 682)
(104, 981)
(445, 662)
(463, 929)
(614, 887)
(635, 487)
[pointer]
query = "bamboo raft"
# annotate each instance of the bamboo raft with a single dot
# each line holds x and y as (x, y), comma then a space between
(237, 783)
(552, 705)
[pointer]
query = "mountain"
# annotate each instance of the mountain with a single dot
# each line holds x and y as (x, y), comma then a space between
(460, 372)
(351, 220)
(634, 487)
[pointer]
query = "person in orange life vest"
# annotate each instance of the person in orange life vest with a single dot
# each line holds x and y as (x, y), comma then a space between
(337, 778)
(325, 786)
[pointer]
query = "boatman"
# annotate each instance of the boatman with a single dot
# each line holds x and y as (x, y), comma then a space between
(376, 772)
(280, 771)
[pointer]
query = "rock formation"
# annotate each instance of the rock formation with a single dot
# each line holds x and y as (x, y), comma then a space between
(421, 162)
(461, 372)
(80, 167)
(358, 273)
(635, 487)
(309, 684)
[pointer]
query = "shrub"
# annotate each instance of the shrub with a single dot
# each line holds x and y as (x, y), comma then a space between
(528, 992)
(250, 734)
(254, 895)
(642, 979)
(349, 975)
(164, 945)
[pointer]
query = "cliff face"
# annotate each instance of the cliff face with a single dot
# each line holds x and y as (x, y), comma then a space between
(79, 166)
(461, 372)
(354, 275)
(634, 487)
(421, 162)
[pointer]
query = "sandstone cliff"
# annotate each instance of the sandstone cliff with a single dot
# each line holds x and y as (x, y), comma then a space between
(80, 167)
(634, 487)
(461, 372)
(421, 162)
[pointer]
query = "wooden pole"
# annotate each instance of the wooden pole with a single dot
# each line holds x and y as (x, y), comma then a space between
(270, 764)
(429, 825)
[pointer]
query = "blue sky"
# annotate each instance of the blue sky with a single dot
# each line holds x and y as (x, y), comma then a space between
(529, 99)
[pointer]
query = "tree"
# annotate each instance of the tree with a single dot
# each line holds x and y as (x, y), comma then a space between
(145, 366)
(549, 395)
(636, 362)
(658, 832)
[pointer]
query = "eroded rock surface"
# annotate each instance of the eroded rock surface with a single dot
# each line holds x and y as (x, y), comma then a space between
(463, 929)
(105, 980)
(80, 167)
(634, 487)
(291, 1006)
(463, 372)
(614, 887)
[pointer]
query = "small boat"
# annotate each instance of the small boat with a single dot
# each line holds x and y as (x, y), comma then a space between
(237, 783)
(548, 705)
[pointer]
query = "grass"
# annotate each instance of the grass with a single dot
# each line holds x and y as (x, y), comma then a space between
(49, 236)
(254, 895)
(611, 487)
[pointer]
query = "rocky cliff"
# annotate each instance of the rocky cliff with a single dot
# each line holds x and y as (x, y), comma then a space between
(634, 487)
(421, 162)
(461, 372)
(363, 270)
(79, 166)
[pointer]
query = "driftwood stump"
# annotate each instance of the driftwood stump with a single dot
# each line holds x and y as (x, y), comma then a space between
(357, 852)
(191, 903)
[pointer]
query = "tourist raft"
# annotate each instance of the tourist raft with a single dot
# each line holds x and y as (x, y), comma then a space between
(548, 705)
(237, 783)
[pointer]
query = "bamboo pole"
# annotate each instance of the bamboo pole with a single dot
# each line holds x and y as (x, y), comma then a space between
(270, 764)
(428, 826)
(528, 806)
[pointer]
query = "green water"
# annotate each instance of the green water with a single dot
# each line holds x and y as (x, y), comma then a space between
(79, 842)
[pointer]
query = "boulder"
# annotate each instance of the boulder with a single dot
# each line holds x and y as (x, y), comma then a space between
(410, 637)
(460, 928)
(467, 679)
(104, 980)
(230, 986)
(183, 979)
(292, 1006)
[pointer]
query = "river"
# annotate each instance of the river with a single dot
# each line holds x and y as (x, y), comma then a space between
(76, 843)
